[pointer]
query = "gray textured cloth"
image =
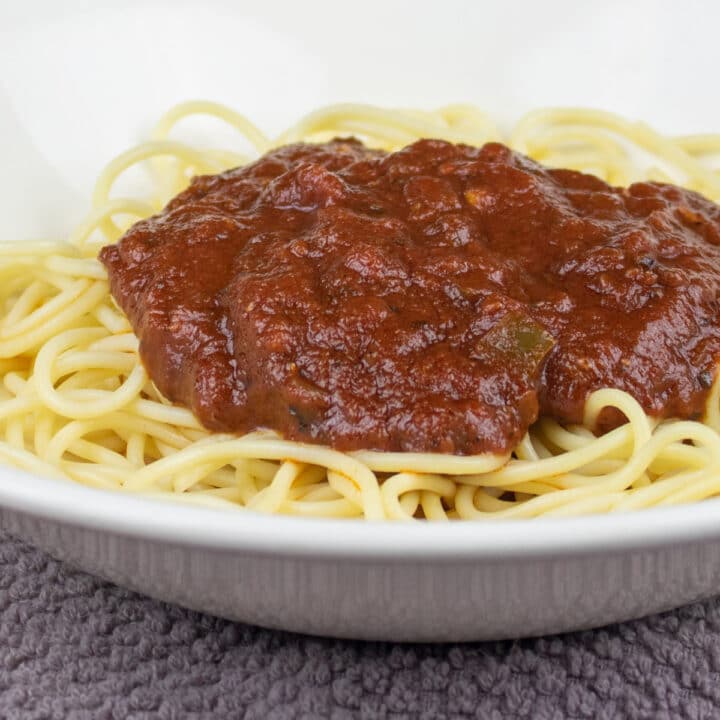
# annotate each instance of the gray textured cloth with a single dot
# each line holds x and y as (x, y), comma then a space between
(73, 646)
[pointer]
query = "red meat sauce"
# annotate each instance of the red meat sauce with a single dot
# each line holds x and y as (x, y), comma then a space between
(435, 299)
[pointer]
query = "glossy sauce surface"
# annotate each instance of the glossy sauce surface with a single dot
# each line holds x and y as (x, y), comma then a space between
(436, 299)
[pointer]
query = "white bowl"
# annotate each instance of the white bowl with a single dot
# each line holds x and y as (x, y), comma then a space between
(407, 581)
(83, 81)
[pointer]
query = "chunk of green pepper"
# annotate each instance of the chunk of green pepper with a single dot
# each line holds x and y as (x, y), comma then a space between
(519, 340)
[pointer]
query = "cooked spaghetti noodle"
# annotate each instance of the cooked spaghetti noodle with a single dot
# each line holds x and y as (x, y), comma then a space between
(77, 404)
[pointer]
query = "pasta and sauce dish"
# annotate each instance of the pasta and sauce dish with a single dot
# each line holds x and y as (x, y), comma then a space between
(381, 314)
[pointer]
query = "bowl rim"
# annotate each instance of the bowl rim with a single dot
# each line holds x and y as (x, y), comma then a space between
(154, 520)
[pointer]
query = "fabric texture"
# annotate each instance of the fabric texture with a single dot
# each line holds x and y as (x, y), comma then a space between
(73, 646)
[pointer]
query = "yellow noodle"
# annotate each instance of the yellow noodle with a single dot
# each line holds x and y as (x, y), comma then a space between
(76, 403)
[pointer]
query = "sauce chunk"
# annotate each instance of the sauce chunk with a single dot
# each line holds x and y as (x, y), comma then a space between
(436, 299)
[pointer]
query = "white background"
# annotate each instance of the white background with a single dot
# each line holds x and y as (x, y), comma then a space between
(81, 81)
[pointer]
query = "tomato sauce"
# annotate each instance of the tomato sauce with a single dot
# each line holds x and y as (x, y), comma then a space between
(436, 299)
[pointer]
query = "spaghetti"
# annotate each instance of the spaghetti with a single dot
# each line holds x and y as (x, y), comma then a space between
(77, 403)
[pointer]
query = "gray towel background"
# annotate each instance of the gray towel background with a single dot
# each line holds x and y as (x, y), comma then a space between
(73, 646)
